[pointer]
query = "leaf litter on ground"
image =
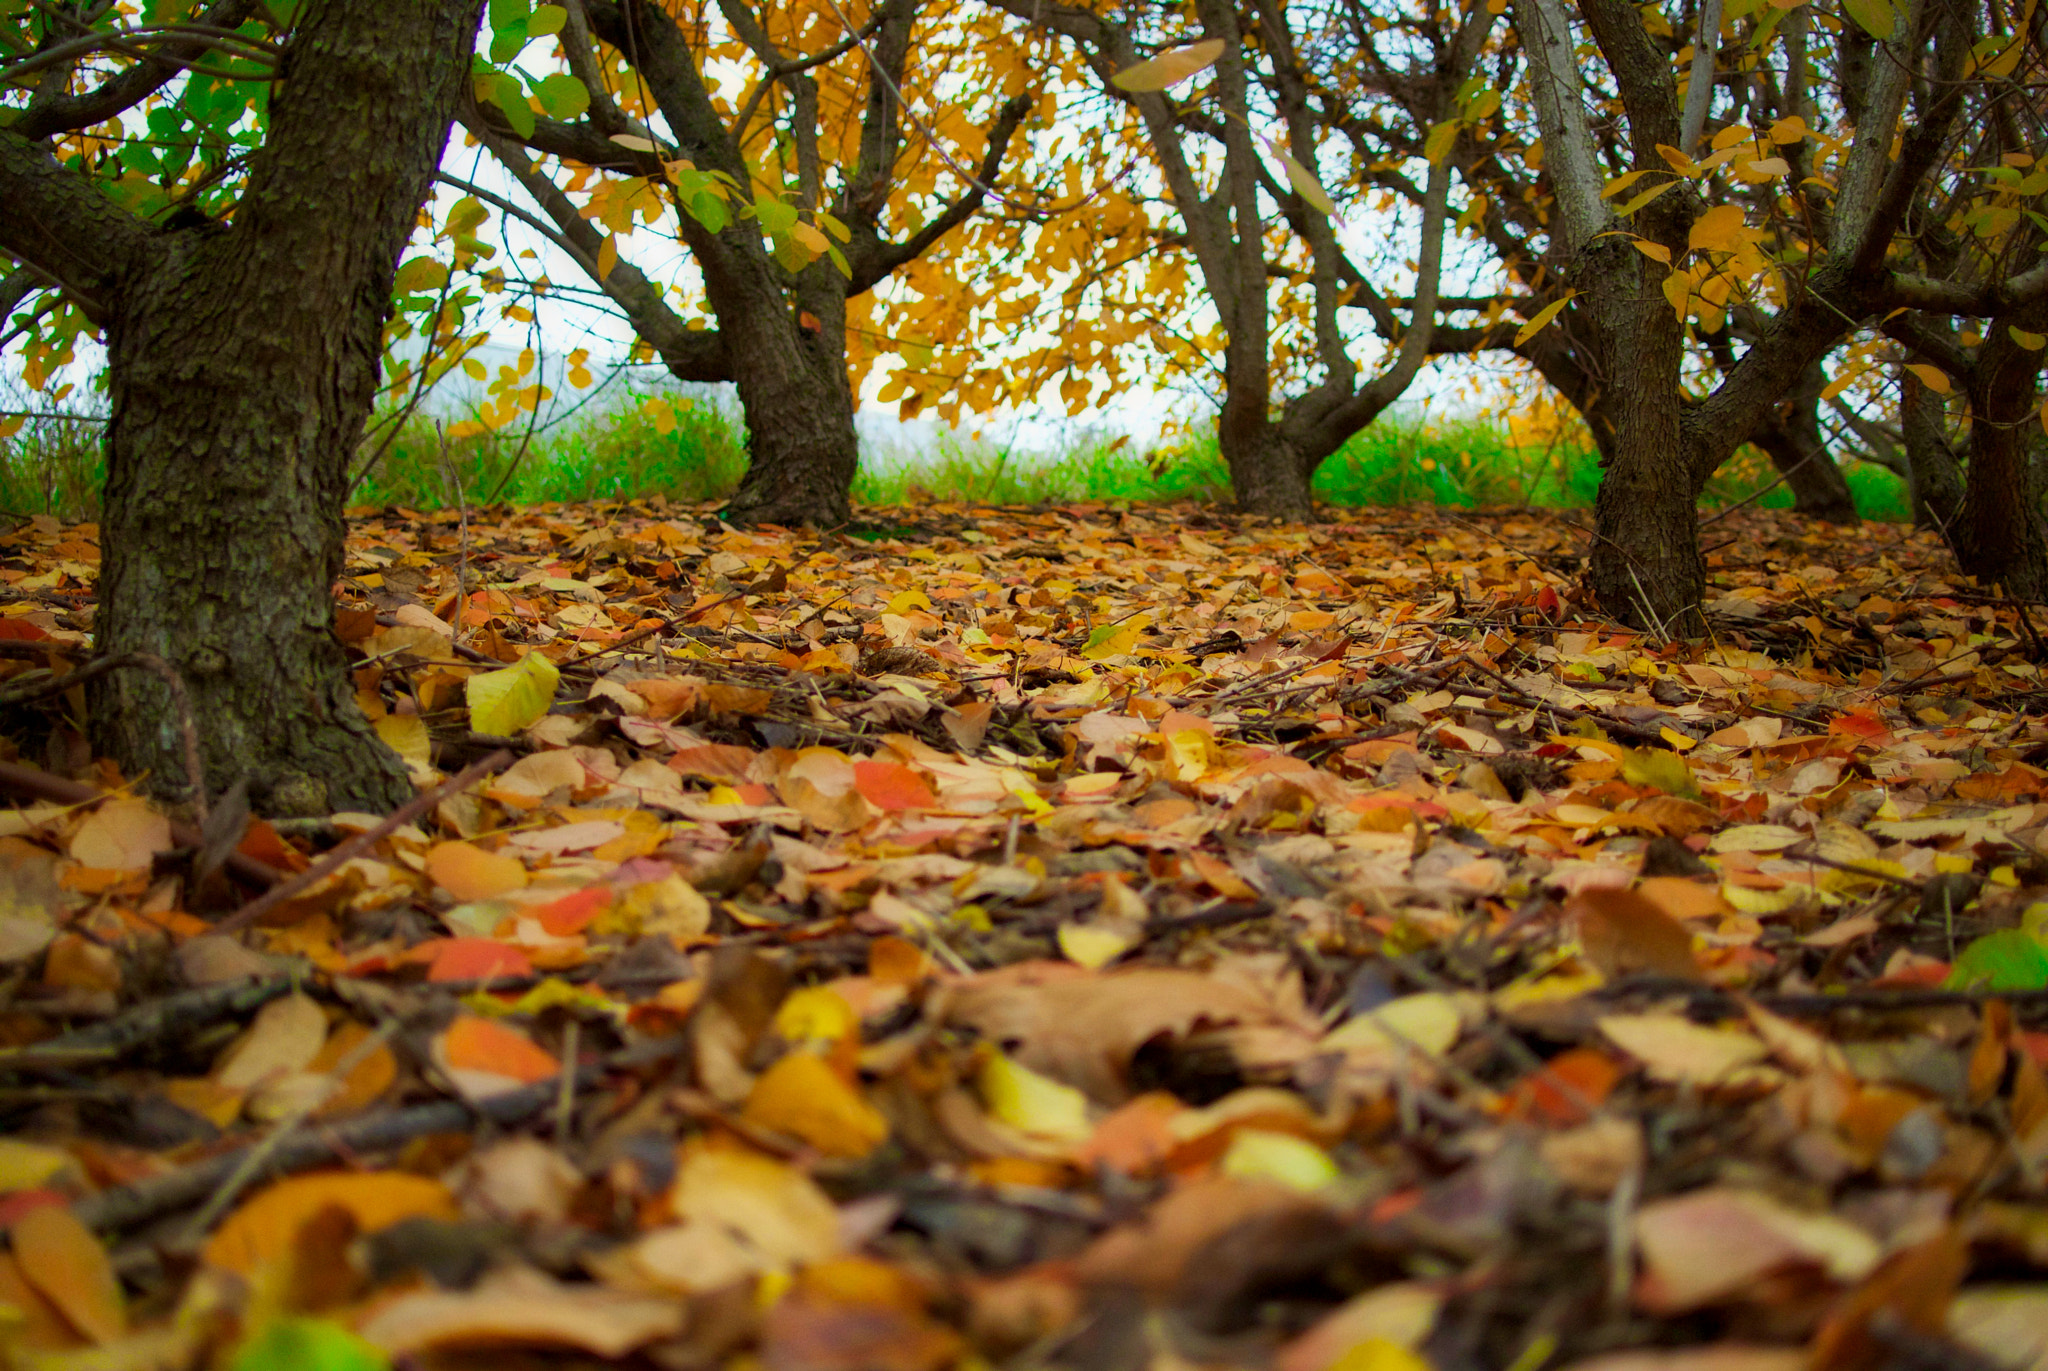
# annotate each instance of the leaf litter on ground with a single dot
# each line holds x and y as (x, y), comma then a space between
(1071, 936)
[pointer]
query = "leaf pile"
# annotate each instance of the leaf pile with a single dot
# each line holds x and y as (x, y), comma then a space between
(1069, 936)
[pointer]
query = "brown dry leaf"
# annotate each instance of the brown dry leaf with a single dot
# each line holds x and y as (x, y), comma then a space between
(1082, 1028)
(772, 1207)
(1701, 1248)
(286, 1037)
(1718, 1357)
(1626, 931)
(523, 1308)
(65, 1263)
(1674, 1048)
(121, 835)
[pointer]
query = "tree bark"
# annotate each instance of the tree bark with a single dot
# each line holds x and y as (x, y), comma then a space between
(802, 448)
(242, 361)
(1269, 475)
(1791, 439)
(1999, 539)
(1934, 477)
(1644, 566)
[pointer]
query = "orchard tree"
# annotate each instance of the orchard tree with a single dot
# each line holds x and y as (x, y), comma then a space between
(776, 144)
(1240, 160)
(238, 260)
(1651, 243)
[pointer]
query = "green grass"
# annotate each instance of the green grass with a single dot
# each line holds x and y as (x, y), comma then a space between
(614, 453)
(621, 451)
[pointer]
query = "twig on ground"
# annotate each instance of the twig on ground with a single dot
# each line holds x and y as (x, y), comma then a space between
(41, 785)
(155, 1020)
(362, 842)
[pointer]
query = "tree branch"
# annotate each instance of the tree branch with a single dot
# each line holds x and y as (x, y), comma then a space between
(129, 88)
(889, 256)
(56, 221)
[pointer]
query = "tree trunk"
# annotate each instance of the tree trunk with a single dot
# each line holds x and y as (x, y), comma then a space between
(1999, 539)
(1268, 473)
(1934, 478)
(1793, 443)
(242, 361)
(790, 367)
(1644, 566)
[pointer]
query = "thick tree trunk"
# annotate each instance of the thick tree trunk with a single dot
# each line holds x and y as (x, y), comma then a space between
(1644, 566)
(1793, 443)
(1268, 473)
(1999, 539)
(802, 448)
(242, 363)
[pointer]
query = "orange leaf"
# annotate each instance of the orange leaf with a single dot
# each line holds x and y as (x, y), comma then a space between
(264, 1229)
(366, 1081)
(476, 959)
(62, 1259)
(475, 1044)
(1567, 1089)
(468, 872)
(570, 915)
(891, 786)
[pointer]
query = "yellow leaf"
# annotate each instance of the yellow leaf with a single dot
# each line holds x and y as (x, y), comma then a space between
(1262, 1155)
(1541, 319)
(607, 255)
(1656, 252)
(816, 1014)
(62, 1259)
(1934, 378)
(26, 1165)
(406, 734)
(1169, 68)
(1092, 945)
(1308, 187)
(2032, 342)
(1719, 229)
(804, 1097)
(1616, 185)
(1379, 1354)
(505, 701)
(1031, 1103)
(1629, 207)
(1680, 163)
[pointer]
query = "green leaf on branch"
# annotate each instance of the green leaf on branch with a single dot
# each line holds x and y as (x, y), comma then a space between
(1442, 138)
(1875, 17)
(562, 96)
(547, 21)
(509, 96)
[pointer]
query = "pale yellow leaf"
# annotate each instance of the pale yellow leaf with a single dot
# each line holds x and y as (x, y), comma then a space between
(1169, 68)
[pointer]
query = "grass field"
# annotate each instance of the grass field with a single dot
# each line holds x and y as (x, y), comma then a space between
(695, 452)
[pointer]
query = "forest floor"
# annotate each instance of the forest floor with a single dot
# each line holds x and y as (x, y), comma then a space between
(1078, 936)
